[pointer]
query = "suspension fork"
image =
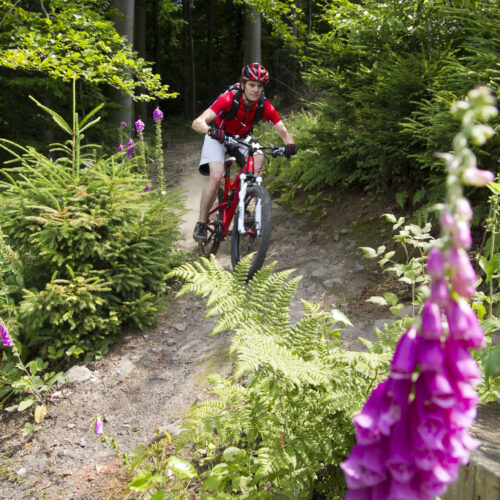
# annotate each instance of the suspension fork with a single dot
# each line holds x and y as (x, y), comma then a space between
(242, 195)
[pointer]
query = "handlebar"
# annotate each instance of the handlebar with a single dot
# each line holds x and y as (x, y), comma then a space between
(253, 145)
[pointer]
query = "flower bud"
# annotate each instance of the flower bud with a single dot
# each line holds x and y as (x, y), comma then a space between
(431, 327)
(435, 263)
(477, 177)
(439, 292)
(405, 355)
(460, 234)
(463, 209)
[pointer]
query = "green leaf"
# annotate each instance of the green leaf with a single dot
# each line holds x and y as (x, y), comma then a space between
(380, 301)
(233, 454)
(25, 403)
(142, 481)
(491, 362)
(56, 117)
(391, 298)
(369, 253)
(40, 412)
(182, 468)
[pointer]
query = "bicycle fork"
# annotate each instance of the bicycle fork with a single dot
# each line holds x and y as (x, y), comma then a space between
(241, 206)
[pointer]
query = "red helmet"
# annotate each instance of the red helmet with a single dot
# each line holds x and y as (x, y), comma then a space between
(255, 72)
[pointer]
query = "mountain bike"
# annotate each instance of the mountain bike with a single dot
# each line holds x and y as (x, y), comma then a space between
(245, 200)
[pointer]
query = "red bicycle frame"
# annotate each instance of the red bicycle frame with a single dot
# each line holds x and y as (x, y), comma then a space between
(228, 206)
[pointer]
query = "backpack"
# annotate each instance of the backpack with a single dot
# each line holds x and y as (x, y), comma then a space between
(237, 92)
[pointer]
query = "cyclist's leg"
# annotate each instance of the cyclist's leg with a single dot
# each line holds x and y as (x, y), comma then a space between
(209, 192)
(258, 162)
(212, 156)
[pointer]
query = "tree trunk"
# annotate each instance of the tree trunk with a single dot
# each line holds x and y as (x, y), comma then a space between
(157, 36)
(140, 46)
(253, 51)
(210, 46)
(189, 66)
(124, 26)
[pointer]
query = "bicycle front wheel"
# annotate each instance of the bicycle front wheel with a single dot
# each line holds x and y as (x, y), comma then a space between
(257, 223)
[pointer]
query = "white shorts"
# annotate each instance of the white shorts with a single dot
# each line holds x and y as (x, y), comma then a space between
(213, 150)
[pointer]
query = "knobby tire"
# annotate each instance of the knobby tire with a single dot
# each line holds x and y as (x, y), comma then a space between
(243, 244)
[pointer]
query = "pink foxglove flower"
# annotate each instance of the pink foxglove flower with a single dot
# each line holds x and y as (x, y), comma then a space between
(157, 115)
(405, 357)
(477, 177)
(432, 325)
(460, 234)
(120, 148)
(412, 433)
(130, 148)
(139, 126)
(435, 263)
(123, 124)
(6, 340)
(99, 427)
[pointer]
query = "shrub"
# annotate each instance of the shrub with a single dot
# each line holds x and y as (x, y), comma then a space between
(94, 243)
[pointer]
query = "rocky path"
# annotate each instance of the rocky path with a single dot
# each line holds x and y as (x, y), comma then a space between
(150, 379)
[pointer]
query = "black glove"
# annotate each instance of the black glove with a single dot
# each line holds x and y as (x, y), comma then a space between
(217, 134)
(290, 149)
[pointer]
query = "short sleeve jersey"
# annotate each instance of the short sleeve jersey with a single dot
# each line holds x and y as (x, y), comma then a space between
(241, 124)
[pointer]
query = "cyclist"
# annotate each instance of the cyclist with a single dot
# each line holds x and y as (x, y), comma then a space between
(234, 113)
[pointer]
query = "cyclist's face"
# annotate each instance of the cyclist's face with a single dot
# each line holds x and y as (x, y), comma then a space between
(253, 90)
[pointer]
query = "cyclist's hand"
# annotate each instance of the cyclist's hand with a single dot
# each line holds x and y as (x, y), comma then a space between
(290, 149)
(217, 134)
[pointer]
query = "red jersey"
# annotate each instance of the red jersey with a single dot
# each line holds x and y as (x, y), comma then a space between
(241, 124)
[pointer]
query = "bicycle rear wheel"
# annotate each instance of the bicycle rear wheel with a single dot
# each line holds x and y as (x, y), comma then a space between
(212, 243)
(254, 239)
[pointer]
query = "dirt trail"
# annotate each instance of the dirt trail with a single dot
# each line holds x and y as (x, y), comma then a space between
(150, 379)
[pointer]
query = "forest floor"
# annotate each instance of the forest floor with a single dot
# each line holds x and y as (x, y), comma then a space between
(150, 378)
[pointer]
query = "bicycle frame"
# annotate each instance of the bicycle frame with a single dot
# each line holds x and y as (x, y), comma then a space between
(238, 186)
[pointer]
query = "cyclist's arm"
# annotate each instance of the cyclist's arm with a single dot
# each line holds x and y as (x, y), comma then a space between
(201, 124)
(282, 131)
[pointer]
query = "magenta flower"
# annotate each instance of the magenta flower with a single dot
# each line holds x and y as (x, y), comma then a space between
(412, 433)
(157, 114)
(123, 124)
(463, 209)
(463, 324)
(477, 177)
(120, 148)
(139, 126)
(365, 466)
(130, 147)
(6, 340)
(430, 355)
(405, 355)
(431, 326)
(460, 234)
(400, 463)
(435, 263)
(99, 427)
(365, 422)
(439, 292)
(148, 188)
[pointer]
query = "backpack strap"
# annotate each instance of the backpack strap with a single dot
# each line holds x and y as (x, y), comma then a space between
(237, 92)
(236, 103)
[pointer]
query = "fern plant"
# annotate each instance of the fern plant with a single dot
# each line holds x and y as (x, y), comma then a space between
(282, 421)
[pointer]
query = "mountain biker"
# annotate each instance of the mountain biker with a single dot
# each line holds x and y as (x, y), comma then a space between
(213, 123)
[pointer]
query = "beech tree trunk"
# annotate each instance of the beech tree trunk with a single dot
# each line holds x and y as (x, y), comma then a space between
(189, 93)
(141, 109)
(252, 51)
(125, 26)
